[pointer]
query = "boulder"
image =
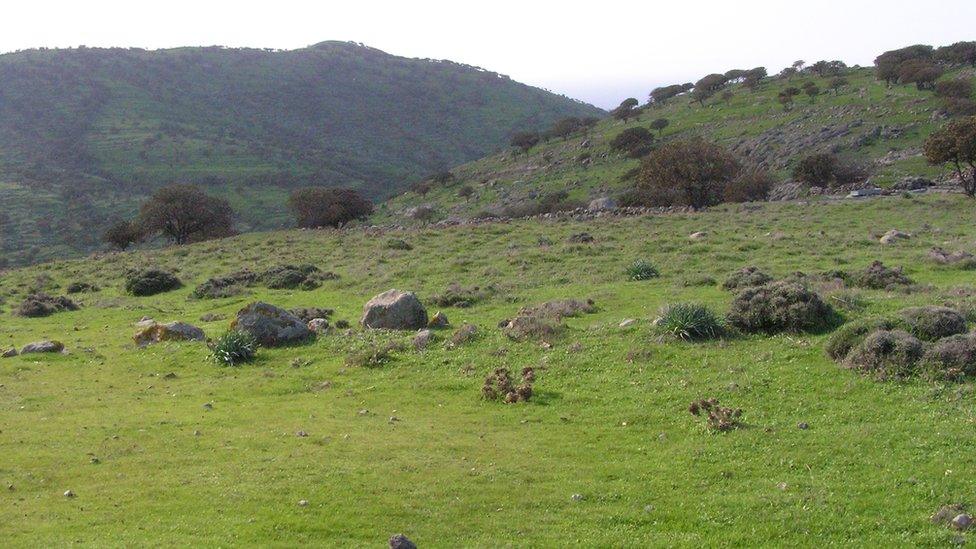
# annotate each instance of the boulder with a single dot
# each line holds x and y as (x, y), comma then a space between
(439, 320)
(394, 310)
(171, 331)
(11, 352)
(422, 339)
(602, 203)
(43, 347)
(894, 235)
(318, 325)
(271, 326)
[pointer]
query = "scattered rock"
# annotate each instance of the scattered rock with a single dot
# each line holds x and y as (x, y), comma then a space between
(9, 353)
(893, 236)
(627, 322)
(946, 513)
(465, 334)
(301, 434)
(803, 426)
(394, 310)
(698, 235)
(318, 325)
(576, 497)
(961, 522)
(303, 503)
(43, 347)
(602, 203)
(399, 541)
(422, 339)
(172, 331)
(439, 320)
(271, 326)
(69, 494)
(943, 257)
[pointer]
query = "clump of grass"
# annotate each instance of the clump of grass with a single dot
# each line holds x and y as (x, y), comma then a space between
(373, 356)
(233, 348)
(951, 358)
(782, 306)
(717, 417)
(499, 386)
(642, 270)
(459, 296)
(690, 322)
(151, 282)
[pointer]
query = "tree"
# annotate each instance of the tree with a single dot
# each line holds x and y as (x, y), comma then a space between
(960, 53)
(921, 72)
(564, 128)
(524, 141)
(635, 142)
(837, 83)
(754, 77)
(327, 207)
(626, 110)
(828, 68)
(122, 234)
(812, 90)
(660, 96)
(798, 65)
(887, 65)
(736, 75)
(958, 88)
(955, 144)
(659, 125)
(786, 96)
(727, 96)
(691, 172)
(184, 213)
(824, 169)
(707, 87)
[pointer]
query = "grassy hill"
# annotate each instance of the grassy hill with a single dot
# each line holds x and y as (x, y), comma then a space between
(160, 446)
(86, 133)
(865, 121)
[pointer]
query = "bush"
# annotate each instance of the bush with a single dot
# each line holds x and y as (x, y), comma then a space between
(81, 287)
(780, 307)
(184, 213)
(878, 277)
(887, 354)
(852, 334)
(642, 270)
(931, 322)
(465, 334)
(499, 386)
(289, 277)
(151, 282)
(373, 356)
(686, 172)
(746, 277)
(689, 321)
(751, 185)
(325, 207)
(458, 296)
(224, 286)
(952, 358)
(234, 348)
(717, 418)
(398, 244)
(825, 169)
(634, 142)
(40, 305)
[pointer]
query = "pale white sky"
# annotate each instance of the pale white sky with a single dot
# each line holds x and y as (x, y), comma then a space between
(599, 51)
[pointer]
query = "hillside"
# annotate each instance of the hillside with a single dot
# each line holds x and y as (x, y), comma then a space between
(876, 125)
(312, 444)
(86, 133)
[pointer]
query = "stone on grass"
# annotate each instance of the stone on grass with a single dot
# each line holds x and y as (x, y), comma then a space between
(422, 339)
(893, 236)
(43, 347)
(439, 320)
(627, 322)
(271, 326)
(698, 235)
(318, 325)
(399, 541)
(9, 353)
(394, 310)
(171, 331)
(962, 522)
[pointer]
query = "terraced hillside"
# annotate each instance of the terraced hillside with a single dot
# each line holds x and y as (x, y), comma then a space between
(356, 435)
(95, 130)
(864, 120)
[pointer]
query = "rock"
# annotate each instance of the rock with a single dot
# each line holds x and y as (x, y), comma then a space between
(627, 322)
(145, 322)
(802, 426)
(439, 320)
(271, 326)
(318, 325)
(399, 541)
(422, 339)
(698, 235)
(69, 494)
(43, 347)
(171, 331)
(913, 184)
(602, 203)
(945, 258)
(394, 310)
(577, 497)
(894, 235)
(961, 521)
(303, 503)
(862, 193)
(9, 353)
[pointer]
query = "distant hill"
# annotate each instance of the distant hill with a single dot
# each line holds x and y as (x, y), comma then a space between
(86, 133)
(865, 121)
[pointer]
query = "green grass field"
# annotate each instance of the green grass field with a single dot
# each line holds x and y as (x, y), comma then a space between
(149, 464)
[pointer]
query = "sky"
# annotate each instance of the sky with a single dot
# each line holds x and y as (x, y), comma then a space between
(600, 52)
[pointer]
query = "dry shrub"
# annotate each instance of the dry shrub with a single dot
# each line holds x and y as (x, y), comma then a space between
(39, 305)
(458, 296)
(374, 356)
(930, 323)
(465, 334)
(952, 358)
(717, 418)
(852, 334)
(879, 277)
(887, 354)
(499, 386)
(542, 322)
(560, 308)
(746, 277)
(780, 307)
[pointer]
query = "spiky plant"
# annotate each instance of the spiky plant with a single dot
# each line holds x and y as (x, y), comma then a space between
(234, 348)
(689, 321)
(642, 270)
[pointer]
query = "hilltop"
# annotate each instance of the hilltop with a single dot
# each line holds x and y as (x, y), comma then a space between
(353, 436)
(881, 127)
(87, 133)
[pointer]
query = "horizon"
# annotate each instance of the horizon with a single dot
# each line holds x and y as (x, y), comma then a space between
(597, 57)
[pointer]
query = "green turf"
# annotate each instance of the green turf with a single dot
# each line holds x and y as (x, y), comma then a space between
(608, 421)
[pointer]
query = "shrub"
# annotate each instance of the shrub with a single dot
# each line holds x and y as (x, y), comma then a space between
(122, 234)
(878, 277)
(717, 418)
(751, 185)
(499, 386)
(634, 142)
(458, 296)
(151, 282)
(887, 354)
(955, 144)
(526, 327)
(780, 307)
(40, 305)
(746, 277)
(373, 356)
(952, 358)
(689, 321)
(825, 169)
(398, 244)
(931, 322)
(184, 213)
(224, 286)
(289, 277)
(689, 172)
(234, 348)
(309, 313)
(465, 334)
(81, 287)
(642, 270)
(325, 207)
(852, 334)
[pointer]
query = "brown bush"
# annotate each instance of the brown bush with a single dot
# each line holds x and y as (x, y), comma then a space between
(717, 418)
(499, 386)
(780, 307)
(878, 277)
(887, 354)
(746, 277)
(39, 305)
(931, 322)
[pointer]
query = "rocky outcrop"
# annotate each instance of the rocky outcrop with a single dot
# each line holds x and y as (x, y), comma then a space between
(394, 310)
(271, 326)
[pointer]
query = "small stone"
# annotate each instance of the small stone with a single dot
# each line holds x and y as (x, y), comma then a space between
(962, 522)
(893, 236)
(69, 494)
(43, 347)
(301, 434)
(698, 235)
(782, 486)
(197, 433)
(363, 412)
(802, 425)
(170, 375)
(628, 322)
(318, 325)
(95, 461)
(422, 339)
(439, 320)
(577, 497)
(303, 503)
(399, 541)
(208, 406)
(394, 419)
